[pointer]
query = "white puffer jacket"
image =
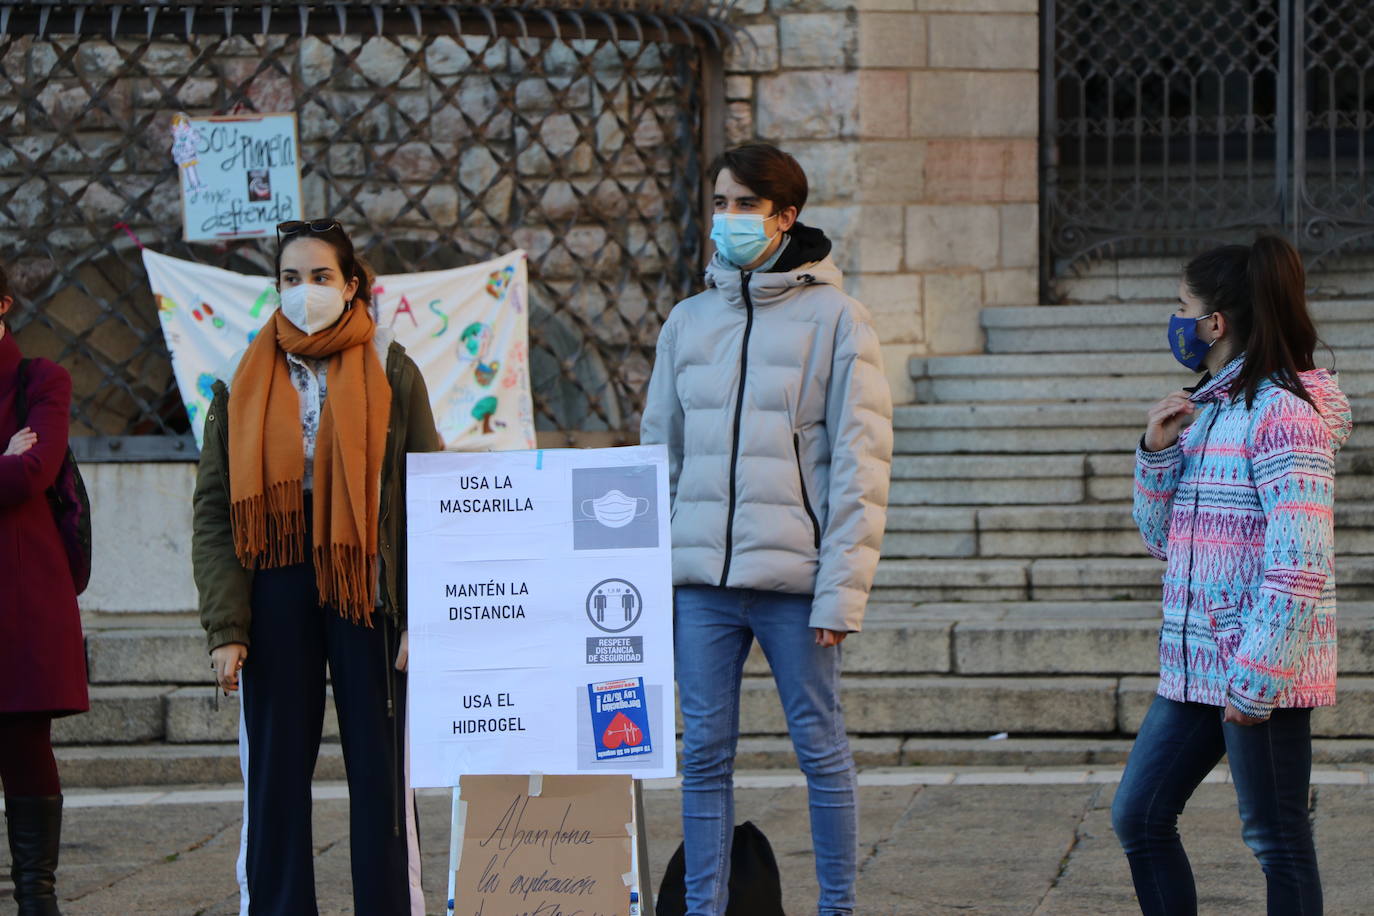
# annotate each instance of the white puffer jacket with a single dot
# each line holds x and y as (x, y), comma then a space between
(779, 484)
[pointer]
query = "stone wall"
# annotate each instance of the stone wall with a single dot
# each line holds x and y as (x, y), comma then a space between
(916, 121)
(140, 537)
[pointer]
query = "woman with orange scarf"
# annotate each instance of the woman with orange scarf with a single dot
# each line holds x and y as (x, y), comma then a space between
(299, 560)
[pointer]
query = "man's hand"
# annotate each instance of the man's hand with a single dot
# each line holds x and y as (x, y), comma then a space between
(828, 639)
(403, 653)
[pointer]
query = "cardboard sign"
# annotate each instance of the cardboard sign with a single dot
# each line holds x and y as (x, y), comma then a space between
(240, 174)
(541, 614)
(564, 851)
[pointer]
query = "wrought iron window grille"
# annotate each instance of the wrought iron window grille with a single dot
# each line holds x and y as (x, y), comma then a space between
(439, 134)
(1169, 126)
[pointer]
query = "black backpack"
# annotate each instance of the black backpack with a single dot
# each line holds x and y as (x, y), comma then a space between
(71, 507)
(755, 885)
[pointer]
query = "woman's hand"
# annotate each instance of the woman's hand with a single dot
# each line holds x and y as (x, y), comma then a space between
(828, 639)
(1166, 421)
(21, 442)
(403, 652)
(227, 660)
(1236, 717)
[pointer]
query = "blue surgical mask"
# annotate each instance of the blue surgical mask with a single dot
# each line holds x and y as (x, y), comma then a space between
(1188, 348)
(740, 237)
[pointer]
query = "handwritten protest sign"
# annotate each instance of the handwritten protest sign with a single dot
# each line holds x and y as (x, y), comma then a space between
(240, 174)
(541, 609)
(564, 851)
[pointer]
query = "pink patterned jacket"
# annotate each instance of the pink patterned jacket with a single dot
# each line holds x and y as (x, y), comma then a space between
(1241, 510)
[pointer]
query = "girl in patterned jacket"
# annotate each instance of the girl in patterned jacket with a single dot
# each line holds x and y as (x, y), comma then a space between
(1239, 505)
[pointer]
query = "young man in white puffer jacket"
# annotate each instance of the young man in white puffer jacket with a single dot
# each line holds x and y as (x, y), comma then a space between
(769, 392)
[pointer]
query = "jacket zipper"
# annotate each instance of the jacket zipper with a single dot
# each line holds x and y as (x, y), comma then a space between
(1192, 545)
(806, 499)
(739, 420)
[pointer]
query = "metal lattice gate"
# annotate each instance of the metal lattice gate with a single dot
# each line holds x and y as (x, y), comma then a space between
(441, 135)
(1174, 124)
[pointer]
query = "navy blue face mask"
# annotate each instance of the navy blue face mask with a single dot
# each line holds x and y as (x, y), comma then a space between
(1188, 348)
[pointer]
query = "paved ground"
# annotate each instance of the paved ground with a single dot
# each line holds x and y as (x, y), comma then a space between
(969, 841)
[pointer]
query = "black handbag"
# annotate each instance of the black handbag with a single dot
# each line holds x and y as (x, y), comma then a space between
(71, 507)
(755, 884)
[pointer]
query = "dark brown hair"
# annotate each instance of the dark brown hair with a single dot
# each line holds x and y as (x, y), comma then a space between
(350, 264)
(767, 171)
(1261, 288)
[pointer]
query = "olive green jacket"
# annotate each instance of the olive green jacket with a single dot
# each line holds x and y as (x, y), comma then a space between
(225, 586)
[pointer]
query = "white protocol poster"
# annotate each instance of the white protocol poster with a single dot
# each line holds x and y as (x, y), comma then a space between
(541, 614)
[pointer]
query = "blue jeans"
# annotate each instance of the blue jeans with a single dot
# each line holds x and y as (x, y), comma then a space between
(713, 629)
(1271, 765)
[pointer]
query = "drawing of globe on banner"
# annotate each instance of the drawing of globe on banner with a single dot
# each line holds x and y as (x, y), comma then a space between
(467, 329)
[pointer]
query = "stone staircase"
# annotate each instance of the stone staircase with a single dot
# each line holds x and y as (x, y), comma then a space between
(1014, 595)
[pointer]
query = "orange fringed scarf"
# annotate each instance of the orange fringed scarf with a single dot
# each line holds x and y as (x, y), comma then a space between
(267, 458)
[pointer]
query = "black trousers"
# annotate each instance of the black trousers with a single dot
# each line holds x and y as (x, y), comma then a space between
(283, 687)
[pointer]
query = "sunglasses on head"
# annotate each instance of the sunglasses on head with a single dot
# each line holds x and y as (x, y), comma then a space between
(295, 226)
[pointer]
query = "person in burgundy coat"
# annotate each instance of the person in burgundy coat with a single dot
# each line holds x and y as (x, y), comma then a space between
(42, 656)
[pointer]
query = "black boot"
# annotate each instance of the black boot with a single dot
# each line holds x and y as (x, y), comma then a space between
(35, 831)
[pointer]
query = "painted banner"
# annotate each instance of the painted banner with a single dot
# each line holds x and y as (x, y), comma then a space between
(540, 614)
(466, 328)
(240, 174)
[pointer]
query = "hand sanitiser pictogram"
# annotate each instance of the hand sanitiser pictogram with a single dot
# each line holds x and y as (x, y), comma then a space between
(620, 719)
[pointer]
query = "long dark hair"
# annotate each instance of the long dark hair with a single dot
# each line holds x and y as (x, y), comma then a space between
(350, 264)
(1261, 288)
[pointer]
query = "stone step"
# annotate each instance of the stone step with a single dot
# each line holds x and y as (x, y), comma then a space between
(1048, 428)
(930, 532)
(171, 652)
(987, 480)
(986, 638)
(974, 481)
(156, 765)
(134, 714)
(1083, 530)
(952, 705)
(123, 765)
(1023, 638)
(1118, 328)
(919, 581)
(1107, 529)
(1131, 578)
(1060, 705)
(1111, 476)
(1089, 377)
(118, 715)
(1137, 578)
(111, 766)
(1351, 717)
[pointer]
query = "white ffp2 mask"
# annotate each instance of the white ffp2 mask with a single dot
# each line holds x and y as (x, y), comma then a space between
(312, 307)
